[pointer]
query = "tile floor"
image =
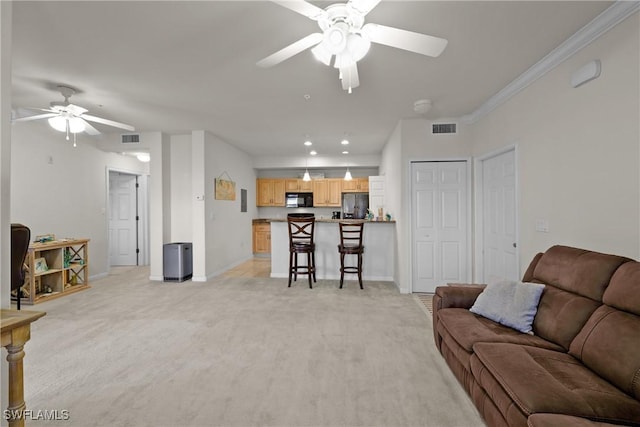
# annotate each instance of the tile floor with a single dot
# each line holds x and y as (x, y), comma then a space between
(256, 267)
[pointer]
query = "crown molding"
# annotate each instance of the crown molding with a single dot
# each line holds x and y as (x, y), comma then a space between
(602, 23)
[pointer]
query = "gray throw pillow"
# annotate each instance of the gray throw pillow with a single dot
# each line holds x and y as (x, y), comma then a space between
(510, 303)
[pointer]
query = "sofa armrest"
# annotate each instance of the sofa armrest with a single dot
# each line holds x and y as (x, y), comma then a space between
(454, 295)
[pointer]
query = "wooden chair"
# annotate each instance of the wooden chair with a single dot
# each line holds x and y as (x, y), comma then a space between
(20, 237)
(351, 244)
(301, 232)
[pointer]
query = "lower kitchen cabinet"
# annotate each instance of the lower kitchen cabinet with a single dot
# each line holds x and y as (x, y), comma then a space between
(262, 238)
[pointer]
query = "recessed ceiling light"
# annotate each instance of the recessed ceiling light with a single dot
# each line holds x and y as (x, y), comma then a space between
(345, 142)
(313, 152)
(307, 96)
(308, 143)
(345, 152)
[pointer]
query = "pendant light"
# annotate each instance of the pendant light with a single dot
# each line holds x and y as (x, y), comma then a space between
(306, 176)
(347, 176)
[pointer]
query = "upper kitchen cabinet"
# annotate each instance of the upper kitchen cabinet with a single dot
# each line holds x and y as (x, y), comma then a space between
(356, 185)
(298, 185)
(327, 192)
(270, 192)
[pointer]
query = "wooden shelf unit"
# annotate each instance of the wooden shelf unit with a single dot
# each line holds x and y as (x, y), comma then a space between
(68, 270)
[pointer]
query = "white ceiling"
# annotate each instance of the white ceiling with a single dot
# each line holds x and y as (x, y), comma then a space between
(178, 66)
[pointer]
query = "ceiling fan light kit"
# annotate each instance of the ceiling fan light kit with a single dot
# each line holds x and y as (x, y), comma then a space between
(69, 118)
(345, 36)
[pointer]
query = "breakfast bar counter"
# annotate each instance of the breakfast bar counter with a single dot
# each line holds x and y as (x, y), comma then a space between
(378, 240)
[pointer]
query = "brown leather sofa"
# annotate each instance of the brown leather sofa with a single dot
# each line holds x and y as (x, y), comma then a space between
(581, 365)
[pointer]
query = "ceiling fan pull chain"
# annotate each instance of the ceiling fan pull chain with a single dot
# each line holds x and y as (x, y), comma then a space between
(67, 126)
(74, 139)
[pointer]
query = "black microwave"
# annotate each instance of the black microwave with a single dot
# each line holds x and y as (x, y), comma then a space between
(299, 200)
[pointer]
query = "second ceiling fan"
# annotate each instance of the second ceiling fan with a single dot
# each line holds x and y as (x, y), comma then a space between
(346, 36)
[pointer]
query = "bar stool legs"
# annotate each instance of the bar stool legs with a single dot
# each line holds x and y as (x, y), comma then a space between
(295, 269)
(301, 242)
(351, 244)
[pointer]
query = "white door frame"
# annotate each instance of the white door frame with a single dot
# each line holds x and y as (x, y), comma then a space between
(409, 197)
(478, 276)
(143, 213)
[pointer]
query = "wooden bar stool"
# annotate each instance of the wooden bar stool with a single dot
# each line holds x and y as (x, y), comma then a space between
(301, 242)
(351, 244)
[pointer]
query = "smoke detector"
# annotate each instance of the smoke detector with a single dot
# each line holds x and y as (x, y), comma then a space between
(422, 106)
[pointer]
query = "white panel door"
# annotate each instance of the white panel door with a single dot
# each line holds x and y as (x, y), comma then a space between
(500, 260)
(122, 219)
(439, 224)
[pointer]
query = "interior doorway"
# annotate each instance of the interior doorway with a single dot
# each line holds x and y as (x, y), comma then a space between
(497, 220)
(440, 224)
(127, 218)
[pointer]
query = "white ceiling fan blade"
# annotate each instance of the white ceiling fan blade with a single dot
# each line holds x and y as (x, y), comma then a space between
(108, 122)
(291, 50)
(350, 79)
(363, 6)
(407, 40)
(36, 117)
(302, 7)
(88, 128)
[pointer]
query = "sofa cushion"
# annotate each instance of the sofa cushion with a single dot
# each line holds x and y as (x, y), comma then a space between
(623, 292)
(468, 329)
(541, 380)
(576, 280)
(510, 303)
(612, 331)
(576, 270)
(561, 315)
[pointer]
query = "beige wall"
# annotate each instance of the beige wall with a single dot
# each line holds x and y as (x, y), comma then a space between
(60, 189)
(578, 150)
(578, 154)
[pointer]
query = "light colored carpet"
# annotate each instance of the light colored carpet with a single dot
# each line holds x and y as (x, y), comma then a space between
(240, 352)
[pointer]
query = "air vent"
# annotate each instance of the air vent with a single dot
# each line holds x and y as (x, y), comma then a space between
(132, 138)
(441, 128)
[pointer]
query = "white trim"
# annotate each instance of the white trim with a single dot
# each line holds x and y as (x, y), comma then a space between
(478, 276)
(409, 219)
(602, 23)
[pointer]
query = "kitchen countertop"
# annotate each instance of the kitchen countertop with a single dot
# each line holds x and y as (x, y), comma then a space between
(351, 221)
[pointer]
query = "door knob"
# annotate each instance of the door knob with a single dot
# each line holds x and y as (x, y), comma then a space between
(514, 245)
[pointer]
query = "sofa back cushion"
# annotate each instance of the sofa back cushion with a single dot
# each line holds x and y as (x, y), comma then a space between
(609, 342)
(576, 280)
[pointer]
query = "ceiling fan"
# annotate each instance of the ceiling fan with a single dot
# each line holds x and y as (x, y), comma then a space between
(66, 117)
(346, 36)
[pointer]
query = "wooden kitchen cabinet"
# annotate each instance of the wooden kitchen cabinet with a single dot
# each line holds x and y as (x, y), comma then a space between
(270, 192)
(299, 185)
(356, 185)
(327, 192)
(261, 238)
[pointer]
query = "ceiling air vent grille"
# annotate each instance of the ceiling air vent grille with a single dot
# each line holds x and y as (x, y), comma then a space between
(442, 128)
(133, 138)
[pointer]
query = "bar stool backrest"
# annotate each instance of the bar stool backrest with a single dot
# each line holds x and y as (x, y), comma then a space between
(351, 235)
(301, 231)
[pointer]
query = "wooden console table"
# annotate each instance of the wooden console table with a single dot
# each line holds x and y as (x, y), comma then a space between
(16, 331)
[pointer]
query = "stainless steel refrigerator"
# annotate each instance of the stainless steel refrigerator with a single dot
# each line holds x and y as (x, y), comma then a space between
(355, 205)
